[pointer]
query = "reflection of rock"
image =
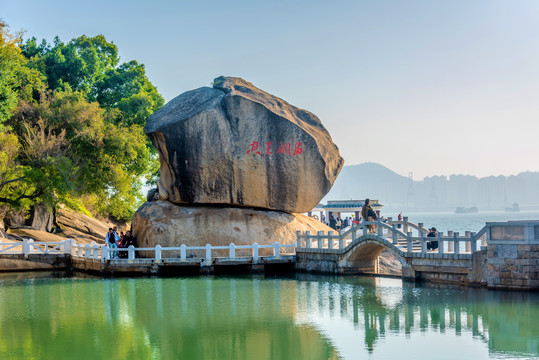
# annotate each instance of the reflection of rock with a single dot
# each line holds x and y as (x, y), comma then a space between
(171, 225)
(222, 145)
(389, 264)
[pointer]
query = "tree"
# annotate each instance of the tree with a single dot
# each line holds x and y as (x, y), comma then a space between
(80, 63)
(73, 124)
(127, 89)
(72, 151)
(16, 79)
(90, 65)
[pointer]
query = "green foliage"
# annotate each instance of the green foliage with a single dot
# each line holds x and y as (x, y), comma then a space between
(17, 81)
(16, 188)
(81, 141)
(73, 151)
(74, 203)
(127, 89)
(80, 63)
(90, 65)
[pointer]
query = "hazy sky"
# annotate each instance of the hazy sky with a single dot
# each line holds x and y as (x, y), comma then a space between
(429, 87)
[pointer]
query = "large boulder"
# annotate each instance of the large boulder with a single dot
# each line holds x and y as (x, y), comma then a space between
(170, 225)
(39, 217)
(236, 144)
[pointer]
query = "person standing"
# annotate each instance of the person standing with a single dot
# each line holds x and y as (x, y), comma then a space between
(369, 214)
(111, 239)
(332, 222)
(121, 242)
(128, 241)
(338, 225)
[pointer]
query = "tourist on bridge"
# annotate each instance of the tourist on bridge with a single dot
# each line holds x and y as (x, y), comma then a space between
(433, 244)
(332, 222)
(369, 214)
(112, 239)
(338, 224)
(128, 241)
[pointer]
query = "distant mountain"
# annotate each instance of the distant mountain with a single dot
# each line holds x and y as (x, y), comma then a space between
(375, 181)
(368, 180)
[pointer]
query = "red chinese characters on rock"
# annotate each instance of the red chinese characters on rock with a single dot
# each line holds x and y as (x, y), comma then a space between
(284, 148)
(254, 148)
(268, 148)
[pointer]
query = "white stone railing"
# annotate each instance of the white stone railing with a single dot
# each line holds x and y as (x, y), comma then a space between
(452, 243)
(104, 252)
(28, 246)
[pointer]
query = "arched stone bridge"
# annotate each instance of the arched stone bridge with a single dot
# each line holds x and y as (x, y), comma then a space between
(457, 259)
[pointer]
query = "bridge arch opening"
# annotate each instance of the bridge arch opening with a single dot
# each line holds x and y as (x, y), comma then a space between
(373, 258)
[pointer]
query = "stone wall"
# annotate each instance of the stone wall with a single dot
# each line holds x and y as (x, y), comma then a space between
(513, 266)
(513, 255)
(322, 261)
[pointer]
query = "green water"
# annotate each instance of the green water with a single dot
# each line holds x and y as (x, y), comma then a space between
(307, 317)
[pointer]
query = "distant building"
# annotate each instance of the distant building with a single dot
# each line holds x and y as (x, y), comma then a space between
(338, 207)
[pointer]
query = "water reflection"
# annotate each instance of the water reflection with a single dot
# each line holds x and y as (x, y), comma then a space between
(506, 322)
(246, 317)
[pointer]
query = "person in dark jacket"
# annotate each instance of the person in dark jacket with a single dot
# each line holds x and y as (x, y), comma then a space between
(369, 214)
(433, 244)
(332, 222)
(128, 240)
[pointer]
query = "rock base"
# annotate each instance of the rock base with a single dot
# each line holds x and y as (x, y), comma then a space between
(170, 225)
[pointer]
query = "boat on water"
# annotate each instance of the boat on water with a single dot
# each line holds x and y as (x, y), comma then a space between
(466, 210)
(514, 208)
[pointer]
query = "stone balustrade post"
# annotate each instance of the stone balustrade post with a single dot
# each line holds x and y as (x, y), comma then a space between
(95, 251)
(468, 244)
(26, 247)
(208, 255)
(131, 252)
(473, 244)
(379, 227)
(255, 252)
(409, 246)
(456, 241)
(183, 252)
(104, 252)
(157, 253)
(422, 241)
(276, 252)
(394, 235)
(405, 224)
(68, 246)
(232, 251)
(450, 243)
(88, 251)
(364, 226)
(330, 241)
(440, 242)
(419, 229)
